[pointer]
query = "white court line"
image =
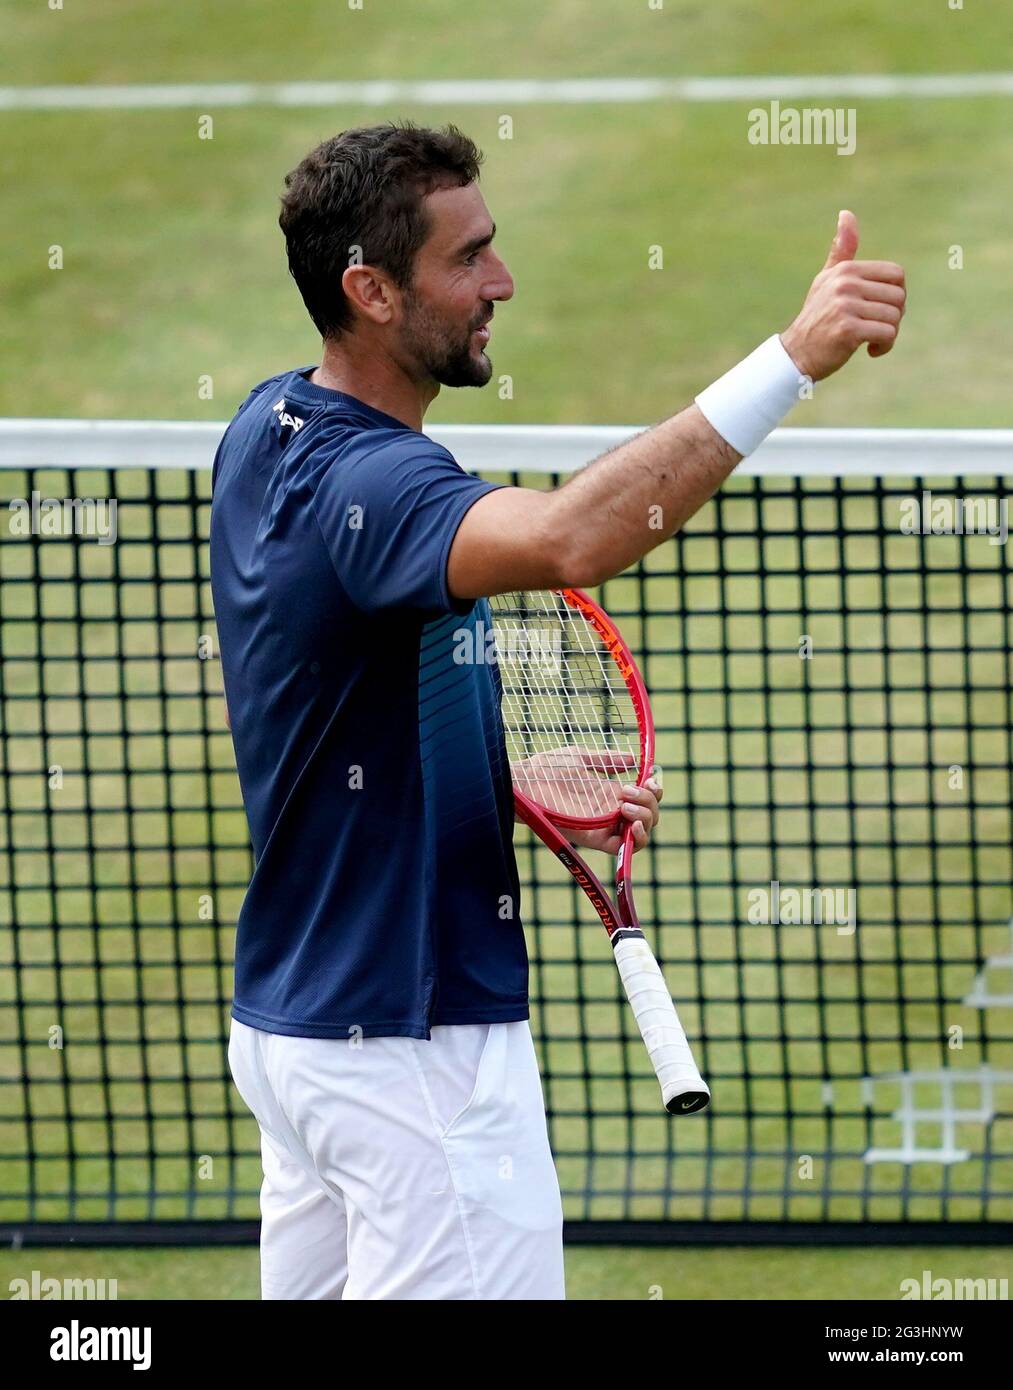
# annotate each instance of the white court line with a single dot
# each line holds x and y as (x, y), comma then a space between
(520, 92)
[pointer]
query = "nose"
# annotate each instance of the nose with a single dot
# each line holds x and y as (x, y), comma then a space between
(500, 285)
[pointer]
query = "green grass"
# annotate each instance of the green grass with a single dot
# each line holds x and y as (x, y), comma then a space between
(242, 40)
(173, 263)
(599, 1273)
(173, 266)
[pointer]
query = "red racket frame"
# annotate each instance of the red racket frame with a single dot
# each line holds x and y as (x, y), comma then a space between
(548, 825)
(682, 1087)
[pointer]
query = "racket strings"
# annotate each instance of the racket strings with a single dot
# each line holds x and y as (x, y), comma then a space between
(571, 726)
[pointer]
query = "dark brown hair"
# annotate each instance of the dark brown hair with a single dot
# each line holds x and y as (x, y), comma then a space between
(364, 188)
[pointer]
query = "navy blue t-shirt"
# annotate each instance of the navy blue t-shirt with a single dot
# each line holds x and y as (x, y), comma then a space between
(369, 743)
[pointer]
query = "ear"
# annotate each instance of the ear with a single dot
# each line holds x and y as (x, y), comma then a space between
(369, 292)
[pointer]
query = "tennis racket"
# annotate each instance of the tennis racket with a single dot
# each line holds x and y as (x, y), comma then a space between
(576, 716)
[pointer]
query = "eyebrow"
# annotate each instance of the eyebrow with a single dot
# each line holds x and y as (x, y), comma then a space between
(476, 243)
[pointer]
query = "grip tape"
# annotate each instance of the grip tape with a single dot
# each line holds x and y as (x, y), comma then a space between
(682, 1087)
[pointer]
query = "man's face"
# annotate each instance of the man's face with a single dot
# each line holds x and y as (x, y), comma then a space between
(458, 277)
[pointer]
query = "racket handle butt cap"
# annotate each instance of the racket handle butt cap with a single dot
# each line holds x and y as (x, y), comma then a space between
(688, 1102)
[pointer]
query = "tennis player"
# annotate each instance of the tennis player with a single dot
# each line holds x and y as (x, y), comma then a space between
(380, 1032)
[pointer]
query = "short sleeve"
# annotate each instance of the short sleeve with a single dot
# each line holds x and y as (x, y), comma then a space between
(389, 518)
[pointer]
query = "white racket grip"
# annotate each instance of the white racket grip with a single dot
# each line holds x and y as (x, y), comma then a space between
(682, 1087)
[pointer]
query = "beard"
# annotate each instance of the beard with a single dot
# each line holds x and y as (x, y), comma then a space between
(441, 353)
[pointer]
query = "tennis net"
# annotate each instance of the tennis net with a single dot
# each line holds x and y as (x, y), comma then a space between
(829, 891)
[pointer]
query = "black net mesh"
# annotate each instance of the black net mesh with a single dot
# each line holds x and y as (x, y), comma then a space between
(832, 698)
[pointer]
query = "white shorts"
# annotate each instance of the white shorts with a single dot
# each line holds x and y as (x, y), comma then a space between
(403, 1169)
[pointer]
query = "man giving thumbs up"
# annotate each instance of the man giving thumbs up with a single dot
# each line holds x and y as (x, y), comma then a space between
(622, 505)
(849, 303)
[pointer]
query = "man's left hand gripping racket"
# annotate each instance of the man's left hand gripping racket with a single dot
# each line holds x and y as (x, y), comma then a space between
(575, 711)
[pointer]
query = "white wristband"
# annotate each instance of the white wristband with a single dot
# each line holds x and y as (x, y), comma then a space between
(753, 398)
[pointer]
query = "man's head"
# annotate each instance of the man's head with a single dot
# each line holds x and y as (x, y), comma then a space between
(389, 238)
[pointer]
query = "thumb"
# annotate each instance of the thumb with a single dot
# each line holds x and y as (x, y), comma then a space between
(845, 242)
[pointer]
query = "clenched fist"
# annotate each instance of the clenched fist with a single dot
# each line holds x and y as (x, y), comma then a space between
(849, 303)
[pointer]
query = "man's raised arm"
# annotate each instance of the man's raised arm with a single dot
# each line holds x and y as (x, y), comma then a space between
(628, 501)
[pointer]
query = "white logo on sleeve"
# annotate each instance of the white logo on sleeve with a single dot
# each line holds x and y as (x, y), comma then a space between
(285, 419)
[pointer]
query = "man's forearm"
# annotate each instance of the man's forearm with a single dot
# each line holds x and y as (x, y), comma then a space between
(626, 503)
(631, 499)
